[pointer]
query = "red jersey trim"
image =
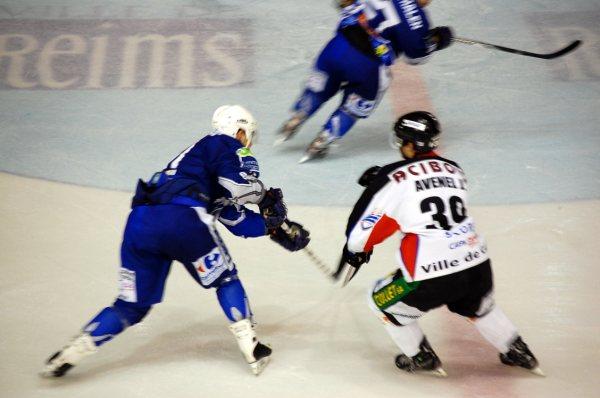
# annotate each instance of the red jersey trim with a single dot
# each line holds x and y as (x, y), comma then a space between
(409, 248)
(384, 228)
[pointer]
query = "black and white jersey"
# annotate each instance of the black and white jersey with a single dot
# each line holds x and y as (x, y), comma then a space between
(425, 199)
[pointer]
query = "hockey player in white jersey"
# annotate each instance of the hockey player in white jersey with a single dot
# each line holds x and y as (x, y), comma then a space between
(442, 259)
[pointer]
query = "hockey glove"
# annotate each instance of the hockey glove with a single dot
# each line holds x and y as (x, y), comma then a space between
(272, 208)
(291, 235)
(440, 37)
(345, 3)
(368, 176)
(354, 260)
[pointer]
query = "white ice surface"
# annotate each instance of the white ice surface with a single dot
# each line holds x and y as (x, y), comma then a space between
(525, 131)
(59, 257)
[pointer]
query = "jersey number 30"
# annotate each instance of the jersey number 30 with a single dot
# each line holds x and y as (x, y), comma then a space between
(436, 205)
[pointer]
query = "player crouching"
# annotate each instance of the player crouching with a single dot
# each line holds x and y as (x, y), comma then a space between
(442, 260)
(173, 218)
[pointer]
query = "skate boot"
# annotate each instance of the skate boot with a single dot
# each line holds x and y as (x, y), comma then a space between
(256, 353)
(425, 361)
(318, 148)
(290, 128)
(61, 362)
(520, 355)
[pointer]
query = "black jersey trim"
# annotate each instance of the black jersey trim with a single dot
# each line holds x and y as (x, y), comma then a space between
(380, 181)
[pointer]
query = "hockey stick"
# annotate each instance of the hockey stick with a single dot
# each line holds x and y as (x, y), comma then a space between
(556, 54)
(321, 265)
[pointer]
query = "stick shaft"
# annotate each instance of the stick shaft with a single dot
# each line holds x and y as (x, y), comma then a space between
(555, 54)
(321, 265)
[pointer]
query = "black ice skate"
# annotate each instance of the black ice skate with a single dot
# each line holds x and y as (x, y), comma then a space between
(262, 355)
(318, 148)
(425, 361)
(289, 128)
(520, 355)
(62, 361)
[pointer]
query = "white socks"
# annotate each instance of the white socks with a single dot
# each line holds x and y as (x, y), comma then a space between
(407, 338)
(497, 329)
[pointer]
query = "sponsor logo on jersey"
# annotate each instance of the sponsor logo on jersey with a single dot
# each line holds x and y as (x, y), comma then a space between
(210, 266)
(471, 241)
(369, 221)
(127, 288)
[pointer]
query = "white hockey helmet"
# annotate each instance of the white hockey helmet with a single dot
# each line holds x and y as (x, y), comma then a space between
(228, 119)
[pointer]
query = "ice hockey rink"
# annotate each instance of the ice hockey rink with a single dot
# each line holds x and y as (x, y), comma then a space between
(85, 110)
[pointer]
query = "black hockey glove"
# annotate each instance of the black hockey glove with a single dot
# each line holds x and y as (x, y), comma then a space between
(291, 235)
(354, 260)
(368, 176)
(272, 208)
(440, 37)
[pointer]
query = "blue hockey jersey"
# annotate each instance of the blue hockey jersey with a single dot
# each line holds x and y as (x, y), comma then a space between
(401, 22)
(217, 173)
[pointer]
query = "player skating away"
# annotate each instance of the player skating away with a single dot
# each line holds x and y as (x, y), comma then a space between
(442, 260)
(173, 218)
(370, 35)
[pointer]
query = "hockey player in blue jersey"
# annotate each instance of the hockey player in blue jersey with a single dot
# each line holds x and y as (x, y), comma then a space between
(370, 36)
(173, 218)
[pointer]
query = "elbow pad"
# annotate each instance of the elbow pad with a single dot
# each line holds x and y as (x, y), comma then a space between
(251, 191)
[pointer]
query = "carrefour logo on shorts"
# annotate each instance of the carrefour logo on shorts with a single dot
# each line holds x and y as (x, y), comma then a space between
(210, 266)
(369, 221)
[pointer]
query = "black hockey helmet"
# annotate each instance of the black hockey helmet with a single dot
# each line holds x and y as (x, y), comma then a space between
(421, 128)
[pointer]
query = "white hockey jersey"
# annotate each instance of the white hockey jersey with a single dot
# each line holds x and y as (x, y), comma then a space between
(425, 199)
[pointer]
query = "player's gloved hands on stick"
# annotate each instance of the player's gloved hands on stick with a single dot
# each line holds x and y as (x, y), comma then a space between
(356, 260)
(440, 37)
(272, 208)
(291, 235)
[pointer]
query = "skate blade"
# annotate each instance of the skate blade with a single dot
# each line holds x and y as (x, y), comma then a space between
(47, 374)
(537, 371)
(280, 141)
(258, 366)
(305, 158)
(439, 372)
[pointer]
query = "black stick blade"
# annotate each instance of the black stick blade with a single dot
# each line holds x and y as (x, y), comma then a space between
(565, 50)
(556, 54)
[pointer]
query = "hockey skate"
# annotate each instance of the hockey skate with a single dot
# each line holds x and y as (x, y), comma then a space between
(318, 148)
(61, 362)
(426, 361)
(256, 353)
(520, 355)
(289, 128)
